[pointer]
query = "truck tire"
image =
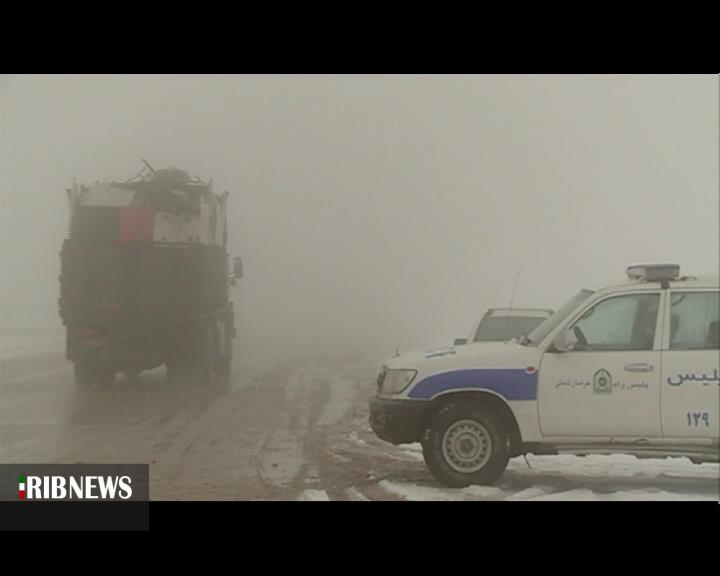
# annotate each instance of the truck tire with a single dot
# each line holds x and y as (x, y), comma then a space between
(224, 367)
(171, 372)
(180, 371)
(90, 370)
(84, 373)
(105, 377)
(467, 444)
(205, 359)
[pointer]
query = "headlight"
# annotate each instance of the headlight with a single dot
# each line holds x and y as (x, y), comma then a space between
(396, 381)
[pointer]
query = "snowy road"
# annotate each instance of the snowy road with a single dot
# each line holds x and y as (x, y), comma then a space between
(298, 431)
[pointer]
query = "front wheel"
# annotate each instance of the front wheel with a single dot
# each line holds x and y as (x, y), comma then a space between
(467, 444)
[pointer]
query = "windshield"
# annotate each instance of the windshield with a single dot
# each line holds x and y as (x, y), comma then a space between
(502, 329)
(537, 335)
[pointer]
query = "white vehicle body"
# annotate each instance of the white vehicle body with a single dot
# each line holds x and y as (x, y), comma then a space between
(659, 396)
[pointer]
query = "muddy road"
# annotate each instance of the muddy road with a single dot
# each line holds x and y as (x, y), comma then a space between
(296, 431)
(291, 432)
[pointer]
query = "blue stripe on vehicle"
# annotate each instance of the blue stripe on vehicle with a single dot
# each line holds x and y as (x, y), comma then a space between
(512, 384)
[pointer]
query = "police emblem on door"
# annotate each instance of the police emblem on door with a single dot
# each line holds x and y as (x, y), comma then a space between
(602, 382)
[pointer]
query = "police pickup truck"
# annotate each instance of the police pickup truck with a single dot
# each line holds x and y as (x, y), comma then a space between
(632, 368)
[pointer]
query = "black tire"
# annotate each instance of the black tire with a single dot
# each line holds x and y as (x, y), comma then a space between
(84, 373)
(90, 371)
(205, 359)
(105, 377)
(224, 367)
(171, 372)
(180, 372)
(196, 366)
(479, 436)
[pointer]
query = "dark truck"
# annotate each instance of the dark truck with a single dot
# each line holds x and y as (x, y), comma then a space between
(144, 280)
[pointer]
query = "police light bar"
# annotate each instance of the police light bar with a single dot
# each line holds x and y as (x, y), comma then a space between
(653, 272)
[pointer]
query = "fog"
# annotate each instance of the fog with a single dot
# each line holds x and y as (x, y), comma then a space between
(377, 211)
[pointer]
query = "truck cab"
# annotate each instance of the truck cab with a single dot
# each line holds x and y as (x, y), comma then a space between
(631, 368)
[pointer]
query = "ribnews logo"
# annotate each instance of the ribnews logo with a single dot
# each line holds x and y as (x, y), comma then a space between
(75, 487)
(74, 482)
(74, 497)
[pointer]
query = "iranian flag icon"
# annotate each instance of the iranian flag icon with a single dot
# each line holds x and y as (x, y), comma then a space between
(21, 488)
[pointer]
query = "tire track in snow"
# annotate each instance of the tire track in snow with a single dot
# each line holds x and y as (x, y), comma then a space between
(310, 495)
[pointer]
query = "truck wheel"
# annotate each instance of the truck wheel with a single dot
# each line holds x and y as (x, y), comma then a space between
(171, 372)
(467, 444)
(84, 373)
(105, 377)
(224, 367)
(90, 370)
(205, 359)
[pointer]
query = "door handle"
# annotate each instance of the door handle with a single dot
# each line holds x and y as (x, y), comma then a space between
(639, 367)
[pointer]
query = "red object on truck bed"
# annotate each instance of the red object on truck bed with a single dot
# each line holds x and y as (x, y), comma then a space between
(136, 224)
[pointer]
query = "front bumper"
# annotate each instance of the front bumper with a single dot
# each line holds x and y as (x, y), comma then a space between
(397, 421)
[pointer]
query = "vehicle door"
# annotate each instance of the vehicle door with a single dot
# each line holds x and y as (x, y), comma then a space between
(608, 384)
(690, 386)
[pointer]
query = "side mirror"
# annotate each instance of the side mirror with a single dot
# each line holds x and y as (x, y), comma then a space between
(565, 341)
(237, 268)
(460, 341)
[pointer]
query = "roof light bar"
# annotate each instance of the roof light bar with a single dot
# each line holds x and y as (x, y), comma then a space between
(653, 272)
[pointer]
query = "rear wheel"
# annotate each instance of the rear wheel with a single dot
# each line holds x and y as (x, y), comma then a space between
(179, 371)
(105, 376)
(467, 444)
(84, 373)
(198, 365)
(205, 359)
(224, 367)
(90, 370)
(171, 372)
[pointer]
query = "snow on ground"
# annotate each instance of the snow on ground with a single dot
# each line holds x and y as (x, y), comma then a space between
(356, 495)
(615, 465)
(567, 477)
(355, 438)
(314, 496)
(414, 451)
(562, 477)
(417, 492)
(587, 494)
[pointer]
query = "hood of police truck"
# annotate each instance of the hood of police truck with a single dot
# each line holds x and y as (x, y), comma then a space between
(508, 368)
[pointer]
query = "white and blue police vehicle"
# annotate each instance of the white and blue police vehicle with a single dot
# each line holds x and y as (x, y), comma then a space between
(631, 368)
